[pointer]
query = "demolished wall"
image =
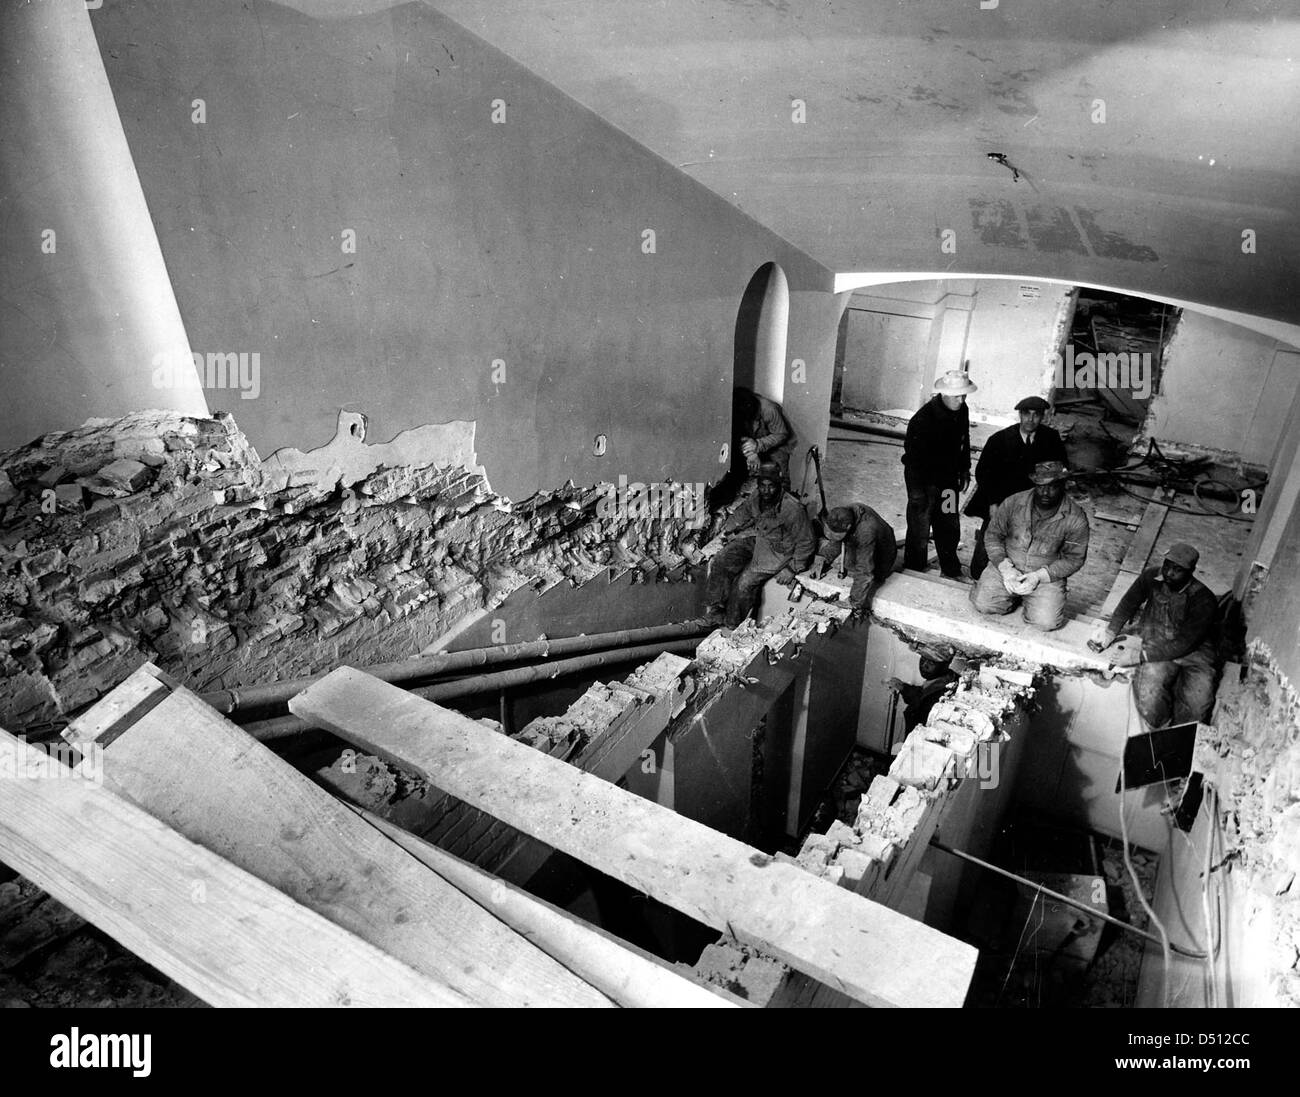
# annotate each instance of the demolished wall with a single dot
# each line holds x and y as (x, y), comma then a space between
(1251, 761)
(161, 537)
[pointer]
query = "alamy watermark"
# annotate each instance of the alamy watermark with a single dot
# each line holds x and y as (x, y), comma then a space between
(1086, 370)
(213, 370)
(52, 761)
(667, 502)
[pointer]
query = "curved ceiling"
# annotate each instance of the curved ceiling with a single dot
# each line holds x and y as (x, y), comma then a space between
(904, 101)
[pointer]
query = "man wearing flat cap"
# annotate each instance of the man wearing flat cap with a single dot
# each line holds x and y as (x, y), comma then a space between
(1176, 615)
(936, 470)
(1036, 540)
(773, 539)
(870, 549)
(1008, 457)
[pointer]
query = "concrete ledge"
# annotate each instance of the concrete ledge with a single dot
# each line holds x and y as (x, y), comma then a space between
(942, 609)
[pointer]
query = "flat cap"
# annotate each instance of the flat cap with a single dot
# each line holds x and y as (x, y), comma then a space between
(1183, 555)
(1034, 403)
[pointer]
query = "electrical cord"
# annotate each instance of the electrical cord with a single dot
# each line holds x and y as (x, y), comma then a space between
(1137, 885)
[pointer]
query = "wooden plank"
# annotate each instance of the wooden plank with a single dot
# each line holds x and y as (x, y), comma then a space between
(848, 942)
(628, 975)
(1139, 549)
(118, 710)
(217, 930)
(193, 769)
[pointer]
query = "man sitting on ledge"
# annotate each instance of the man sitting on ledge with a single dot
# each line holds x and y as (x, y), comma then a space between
(774, 538)
(1036, 539)
(1176, 615)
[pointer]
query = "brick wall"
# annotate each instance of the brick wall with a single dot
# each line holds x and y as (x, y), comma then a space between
(161, 537)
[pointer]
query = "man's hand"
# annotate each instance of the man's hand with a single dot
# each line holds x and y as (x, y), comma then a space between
(1101, 637)
(1129, 655)
(964, 482)
(818, 569)
(895, 685)
(1011, 576)
(1030, 583)
(785, 577)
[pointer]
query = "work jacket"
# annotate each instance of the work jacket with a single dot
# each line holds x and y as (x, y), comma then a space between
(771, 430)
(1005, 464)
(1058, 542)
(783, 536)
(869, 552)
(936, 449)
(1172, 623)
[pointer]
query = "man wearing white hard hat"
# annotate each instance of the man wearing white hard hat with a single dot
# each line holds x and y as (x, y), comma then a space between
(936, 470)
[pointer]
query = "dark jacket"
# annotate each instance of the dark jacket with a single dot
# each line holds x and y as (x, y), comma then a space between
(771, 430)
(784, 535)
(1058, 543)
(869, 552)
(937, 446)
(1005, 464)
(1171, 623)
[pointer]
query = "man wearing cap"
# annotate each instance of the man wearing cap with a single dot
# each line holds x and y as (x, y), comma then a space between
(776, 539)
(1009, 456)
(1176, 615)
(936, 470)
(1036, 539)
(762, 431)
(870, 549)
(935, 665)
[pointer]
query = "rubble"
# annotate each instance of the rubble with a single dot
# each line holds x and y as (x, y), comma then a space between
(195, 555)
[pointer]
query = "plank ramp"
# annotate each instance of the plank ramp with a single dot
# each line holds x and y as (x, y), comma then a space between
(197, 772)
(872, 953)
(219, 931)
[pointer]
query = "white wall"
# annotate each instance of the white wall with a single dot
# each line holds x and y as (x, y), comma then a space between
(900, 337)
(1224, 388)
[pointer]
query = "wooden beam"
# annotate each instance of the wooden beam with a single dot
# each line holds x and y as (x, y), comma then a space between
(196, 771)
(860, 947)
(628, 975)
(1139, 549)
(217, 930)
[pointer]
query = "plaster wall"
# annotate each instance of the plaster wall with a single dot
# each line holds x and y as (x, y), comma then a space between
(501, 275)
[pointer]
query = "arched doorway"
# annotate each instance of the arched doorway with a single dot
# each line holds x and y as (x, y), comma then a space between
(761, 326)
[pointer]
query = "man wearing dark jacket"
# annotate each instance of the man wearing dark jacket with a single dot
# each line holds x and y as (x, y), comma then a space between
(763, 433)
(936, 470)
(775, 539)
(1009, 456)
(870, 549)
(1176, 615)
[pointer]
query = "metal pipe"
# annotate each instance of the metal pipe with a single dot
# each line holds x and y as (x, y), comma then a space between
(868, 428)
(285, 726)
(277, 694)
(1044, 890)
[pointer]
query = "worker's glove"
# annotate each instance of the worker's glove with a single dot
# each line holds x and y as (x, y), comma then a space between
(1030, 583)
(785, 577)
(1011, 575)
(1101, 637)
(1129, 655)
(817, 570)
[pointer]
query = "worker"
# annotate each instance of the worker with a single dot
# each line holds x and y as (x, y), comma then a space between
(762, 432)
(936, 470)
(1036, 539)
(870, 550)
(935, 665)
(1175, 656)
(1008, 457)
(775, 540)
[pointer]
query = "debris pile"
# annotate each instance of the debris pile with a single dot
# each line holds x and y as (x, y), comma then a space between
(164, 538)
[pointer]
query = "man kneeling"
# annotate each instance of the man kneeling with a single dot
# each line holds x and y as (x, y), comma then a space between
(1036, 539)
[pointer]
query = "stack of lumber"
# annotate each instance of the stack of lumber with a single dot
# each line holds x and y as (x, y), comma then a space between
(216, 861)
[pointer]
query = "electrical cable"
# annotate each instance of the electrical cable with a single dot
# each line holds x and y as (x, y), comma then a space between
(1137, 885)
